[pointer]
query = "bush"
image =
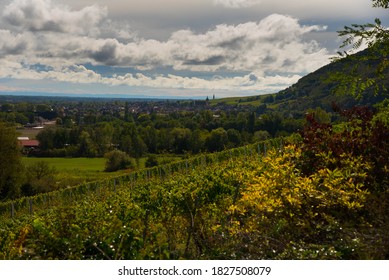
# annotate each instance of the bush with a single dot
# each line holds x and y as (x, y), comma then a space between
(117, 160)
(361, 136)
(281, 209)
(40, 178)
(151, 161)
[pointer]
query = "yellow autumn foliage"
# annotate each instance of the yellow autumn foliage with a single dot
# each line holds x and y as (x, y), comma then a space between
(280, 198)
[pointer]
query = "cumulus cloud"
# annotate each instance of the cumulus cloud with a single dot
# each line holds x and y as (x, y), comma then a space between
(271, 53)
(237, 3)
(42, 15)
(79, 74)
(276, 43)
(12, 44)
(267, 45)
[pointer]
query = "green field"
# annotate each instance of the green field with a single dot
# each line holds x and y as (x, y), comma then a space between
(71, 164)
(243, 100)
(90, 164)
(74, 171)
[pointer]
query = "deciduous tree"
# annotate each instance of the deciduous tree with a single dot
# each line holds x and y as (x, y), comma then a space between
(117, 160)
(10, 162)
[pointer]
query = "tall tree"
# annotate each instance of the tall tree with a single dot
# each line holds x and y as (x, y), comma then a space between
(10, 163)
(86, 147)
(217, 140)
(103, 134)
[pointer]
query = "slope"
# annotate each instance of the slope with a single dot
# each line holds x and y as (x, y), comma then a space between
(318, 89)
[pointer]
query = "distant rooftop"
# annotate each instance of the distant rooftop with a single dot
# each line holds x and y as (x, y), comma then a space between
(29, 143)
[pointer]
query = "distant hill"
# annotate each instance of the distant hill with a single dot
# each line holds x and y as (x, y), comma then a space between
(315, 90)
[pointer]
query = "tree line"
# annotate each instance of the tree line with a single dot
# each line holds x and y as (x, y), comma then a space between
(93, 129)
(179, 132)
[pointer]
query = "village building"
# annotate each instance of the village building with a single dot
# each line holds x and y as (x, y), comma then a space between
(28, 146)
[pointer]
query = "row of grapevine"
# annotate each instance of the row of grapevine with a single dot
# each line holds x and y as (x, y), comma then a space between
(147, 219)
(29, 205)
(242, 208)
(323, 197)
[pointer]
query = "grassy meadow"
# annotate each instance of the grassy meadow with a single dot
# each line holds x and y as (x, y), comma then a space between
(70, 164)
(74, 171)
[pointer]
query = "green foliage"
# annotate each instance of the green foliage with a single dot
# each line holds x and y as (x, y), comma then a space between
(40, 178)
(217, 140)
(70, 164)
(381, 3)
(323, 197)
(261, 135)
(10, 163)
(117, 160)
(86, 146)
(320, 115)
(234, 138)
(354, 80)
(383, 113)
(151, 161)
(242, 206)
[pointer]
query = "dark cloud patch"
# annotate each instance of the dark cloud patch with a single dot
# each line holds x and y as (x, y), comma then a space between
(268, 59)
(106, 55)
(12, 44)
(213, 60)
(49, 25)
(13, 49)
(253, 78)
(232, 44)
(288, 63)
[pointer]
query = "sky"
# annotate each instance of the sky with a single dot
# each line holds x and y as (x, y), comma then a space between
(169, 48)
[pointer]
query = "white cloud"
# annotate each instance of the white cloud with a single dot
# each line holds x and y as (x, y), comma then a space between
(237, 3)
(272, 53)
(273, 44)
(79, 74)
(42, 15)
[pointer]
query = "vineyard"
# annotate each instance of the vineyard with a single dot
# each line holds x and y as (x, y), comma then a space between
(313, 186)
(29, 205)
(290, 199)
(139, 194)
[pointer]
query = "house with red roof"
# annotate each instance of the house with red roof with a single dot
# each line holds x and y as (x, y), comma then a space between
(29, 145)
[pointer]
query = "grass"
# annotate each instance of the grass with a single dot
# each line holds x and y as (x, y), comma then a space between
(242, 101)
(91, 164)
(69, 164)
(74, 171)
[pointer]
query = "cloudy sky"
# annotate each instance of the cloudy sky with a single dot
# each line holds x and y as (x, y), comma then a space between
(169, 48)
